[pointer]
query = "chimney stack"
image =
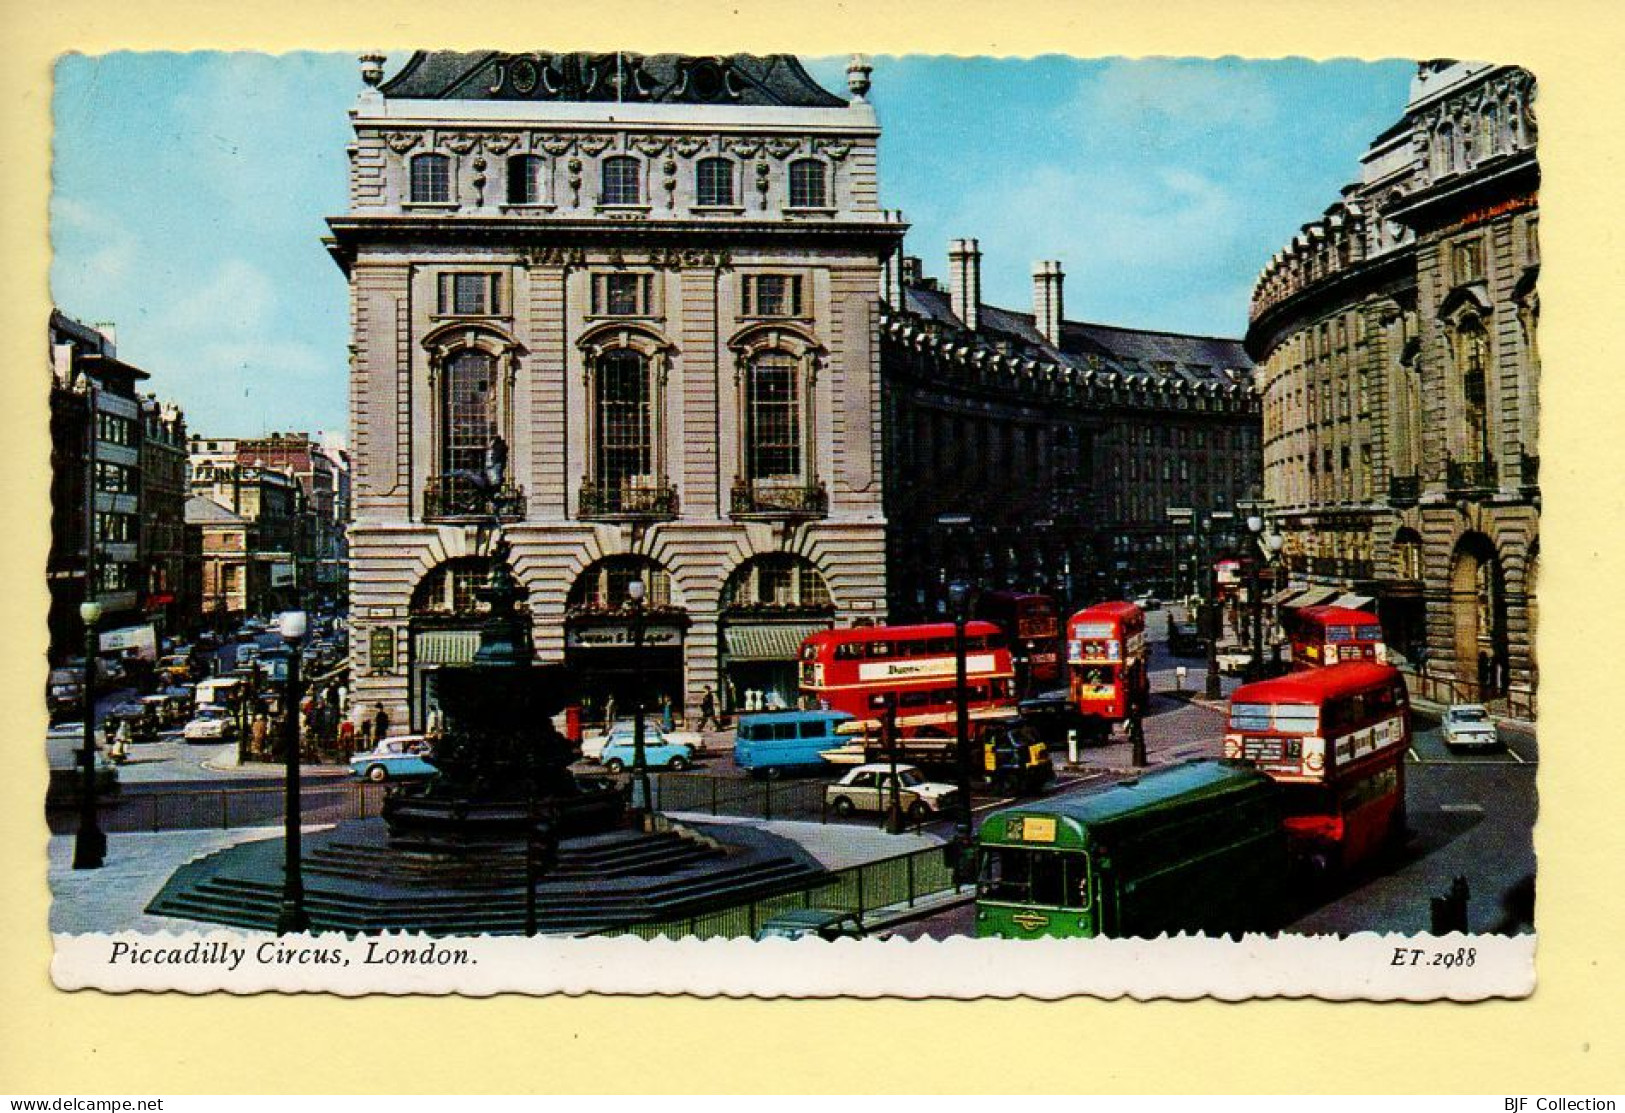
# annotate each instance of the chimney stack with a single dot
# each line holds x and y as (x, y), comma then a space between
(1048, 310)
(965, 281)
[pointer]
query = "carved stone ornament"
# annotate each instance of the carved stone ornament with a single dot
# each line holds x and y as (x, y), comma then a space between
(401, 141)
(744, 148)
(501, 144)
(554, 144)
(835, 149)
(459, 143)
(688, 146)
(782, 148)
(650, 145)
(593, 144)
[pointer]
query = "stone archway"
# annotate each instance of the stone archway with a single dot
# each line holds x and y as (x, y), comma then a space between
(601, 639)
(770, 604)
(1478, 619)
(445, 620)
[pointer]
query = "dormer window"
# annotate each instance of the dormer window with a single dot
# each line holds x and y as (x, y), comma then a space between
(714, 182)
(431, 180)
(807, 184)
(620, 175)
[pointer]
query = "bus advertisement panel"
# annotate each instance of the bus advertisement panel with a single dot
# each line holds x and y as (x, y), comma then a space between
(1335, 738)
(1330, 635)
(915, 667)
(1106, 651)
(1032, 629)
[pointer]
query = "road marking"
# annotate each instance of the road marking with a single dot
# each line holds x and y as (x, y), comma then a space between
(1416, 757)
(1470, 809)
(1516, 756)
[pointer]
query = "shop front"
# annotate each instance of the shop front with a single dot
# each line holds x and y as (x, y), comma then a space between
(611, 662)
(761, 662)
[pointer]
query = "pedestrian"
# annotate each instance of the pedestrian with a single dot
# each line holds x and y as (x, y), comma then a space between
(435, 723)
(665, 714)
(380, 723)
(257, 734)
(609, 713)
(708, 710)
(347, 734)
(121, 740)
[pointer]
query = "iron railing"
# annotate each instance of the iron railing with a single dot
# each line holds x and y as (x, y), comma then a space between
(455, 496)
(224, 809)
(1404, 490)
(1470, 475)
(624, 499)
(889, 883)
(806, 500)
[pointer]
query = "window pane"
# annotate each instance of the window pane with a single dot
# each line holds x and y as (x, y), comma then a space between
(807, 184)
(469, 293)
(622, 295)
(525, 180)
(431, 179)
(774, 418)
(774, 295)
(623, 418)
(468, 411)
(715, 182)
(620, 181)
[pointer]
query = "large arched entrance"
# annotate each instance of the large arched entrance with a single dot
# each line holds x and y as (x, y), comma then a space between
(769, 606)
(601, 639)
(1478, 616)
(445, 628)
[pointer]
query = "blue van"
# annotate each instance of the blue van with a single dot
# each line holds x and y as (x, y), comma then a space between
(773, 743)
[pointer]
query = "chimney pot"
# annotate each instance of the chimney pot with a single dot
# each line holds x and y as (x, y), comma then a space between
(1048, 307)
(965, 282)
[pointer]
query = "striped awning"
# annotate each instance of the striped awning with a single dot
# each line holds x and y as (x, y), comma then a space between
(761, 641)
(1313, 597)
(1352, 601)
(445, 647)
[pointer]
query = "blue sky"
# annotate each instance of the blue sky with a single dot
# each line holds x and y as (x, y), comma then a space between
(191, 190)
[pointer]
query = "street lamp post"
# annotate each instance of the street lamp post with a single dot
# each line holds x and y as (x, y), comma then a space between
(640, 764)
(959, 599)
(90, 843)
(292, 918)
(1255, 660)
(1214, 623)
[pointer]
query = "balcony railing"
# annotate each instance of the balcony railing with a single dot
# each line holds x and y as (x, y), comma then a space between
(1470, 475)
(454, 496)
(1404, 490)
(624, 499)
(762, 500)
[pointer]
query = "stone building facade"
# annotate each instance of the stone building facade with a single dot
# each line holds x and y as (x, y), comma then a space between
(1400, 377)
(656, 280)
(272, 501)
(1026, 451)
(163, 461)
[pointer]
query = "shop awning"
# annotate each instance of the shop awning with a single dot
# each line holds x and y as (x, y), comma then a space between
(768, 642)
(1283, 595)
(445, 647)
(1314, 597)
(1352, 602)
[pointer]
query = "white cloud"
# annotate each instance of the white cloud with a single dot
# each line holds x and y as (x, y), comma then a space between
(1169, 94)
(102, 251)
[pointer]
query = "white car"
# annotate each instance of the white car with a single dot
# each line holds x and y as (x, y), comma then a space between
(592, 746)
(868, 788)
(212, 724)
(1469, 725)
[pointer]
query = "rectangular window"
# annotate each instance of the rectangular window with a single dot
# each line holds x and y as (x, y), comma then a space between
(807, 184)
(1467, 261)
(470, 294)
(772, 295)
(714, 183)
(526, 181)
(620, 181)
(620, 295)
(114, 479)
(775, 419)
(431, 179)
(113, 429)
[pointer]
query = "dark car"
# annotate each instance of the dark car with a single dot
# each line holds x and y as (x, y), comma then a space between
(1049, 715)
(816, 923)
(1186, 640)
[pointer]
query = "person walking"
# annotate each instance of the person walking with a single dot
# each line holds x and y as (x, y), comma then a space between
(609, 713)
(708, 710)
(256, 734)
(380, 723)
(665, 714)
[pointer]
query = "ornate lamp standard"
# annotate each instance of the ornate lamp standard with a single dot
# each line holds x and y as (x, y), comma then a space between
(640, 764)
(90, 843)
(959, 602)
(1269, 546)
(292, 918)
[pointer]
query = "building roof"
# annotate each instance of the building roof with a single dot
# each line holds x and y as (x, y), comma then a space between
(1161, 355)
(737, 79)
(206, 512)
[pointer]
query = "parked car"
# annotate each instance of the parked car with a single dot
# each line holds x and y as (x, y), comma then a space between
(400, 758)
(212, 724)
(868, 788)
(1469, 726)
(660, 750)
(819, 923)
(592, 746)
(65, 695)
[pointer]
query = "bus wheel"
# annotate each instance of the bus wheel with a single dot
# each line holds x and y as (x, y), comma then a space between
(842, 806)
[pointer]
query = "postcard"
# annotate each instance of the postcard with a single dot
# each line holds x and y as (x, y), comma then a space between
(746, 525)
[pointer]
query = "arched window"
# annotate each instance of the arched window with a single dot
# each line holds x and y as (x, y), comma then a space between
(625, 437)
(807, 184)
(620, 174)
(1446, 143)
(448, 589)
(714, 182)
(776, 580)
(1472, 361)
(468, 411)
(604, 586)
(773, 416)
(431, 180)
(527, 181)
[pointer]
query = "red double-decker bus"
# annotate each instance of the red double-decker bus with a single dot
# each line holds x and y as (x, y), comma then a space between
(845, 669)
(1330, 635)
(1106, 652)
(1031, 628)
(1335, 738)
